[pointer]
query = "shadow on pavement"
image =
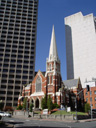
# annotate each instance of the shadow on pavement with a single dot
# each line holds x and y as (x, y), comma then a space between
(38, 127)
(13, 123)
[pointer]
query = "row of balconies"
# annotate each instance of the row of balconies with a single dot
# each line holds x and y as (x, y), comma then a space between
(19, 2)
(18, 42)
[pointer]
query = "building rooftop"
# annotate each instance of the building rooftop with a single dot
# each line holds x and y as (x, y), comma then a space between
(71, 83)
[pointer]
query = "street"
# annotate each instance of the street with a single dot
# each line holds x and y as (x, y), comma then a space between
(29, 123)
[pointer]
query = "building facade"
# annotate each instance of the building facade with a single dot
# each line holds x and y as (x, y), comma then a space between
(50, 83)
(90, 96)
(73, 89)
(18, 28)
(80, 46)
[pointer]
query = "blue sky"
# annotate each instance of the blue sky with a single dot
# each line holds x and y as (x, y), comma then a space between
(53, 12)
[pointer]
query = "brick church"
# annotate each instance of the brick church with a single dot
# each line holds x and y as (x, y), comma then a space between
(49, 82)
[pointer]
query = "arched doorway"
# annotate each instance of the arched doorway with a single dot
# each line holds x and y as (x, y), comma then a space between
(37, 103)
(32, 101)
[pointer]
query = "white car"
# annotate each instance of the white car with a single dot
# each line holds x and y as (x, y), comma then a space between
(5, 114)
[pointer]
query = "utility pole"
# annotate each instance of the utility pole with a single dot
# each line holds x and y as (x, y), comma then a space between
(91, 105)
(89, 90)
(76, 107)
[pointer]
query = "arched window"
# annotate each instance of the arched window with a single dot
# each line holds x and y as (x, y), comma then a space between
(50, 67)
(38, 84)
(48, 79)
(51, 79)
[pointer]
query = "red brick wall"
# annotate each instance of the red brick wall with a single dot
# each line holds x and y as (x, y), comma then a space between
(88, 96)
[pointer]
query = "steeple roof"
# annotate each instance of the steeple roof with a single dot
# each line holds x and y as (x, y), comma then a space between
(53, 55)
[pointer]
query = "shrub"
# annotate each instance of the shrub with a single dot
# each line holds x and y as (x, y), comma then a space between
(31, 107)
(44, 103)
(49, 103)
(87, 107)
(55, 105)
(24, 103)
(19, 107)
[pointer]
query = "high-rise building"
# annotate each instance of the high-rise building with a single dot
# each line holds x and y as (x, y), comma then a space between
(81, 46)
(18, 28)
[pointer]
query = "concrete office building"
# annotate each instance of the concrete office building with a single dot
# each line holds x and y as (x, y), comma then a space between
(81, 46)
(18, 26)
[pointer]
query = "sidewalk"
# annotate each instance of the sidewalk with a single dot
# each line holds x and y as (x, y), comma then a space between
(30, 118)
(87, 120)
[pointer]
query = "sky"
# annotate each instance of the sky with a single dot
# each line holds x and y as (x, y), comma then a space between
(53, 12)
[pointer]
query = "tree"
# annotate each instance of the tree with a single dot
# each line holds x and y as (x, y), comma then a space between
(55, 105)
(49, 103)
(71, 103)
(19, 107)
(44, 102)
(24, 103)
(87, 107)
(31, 107)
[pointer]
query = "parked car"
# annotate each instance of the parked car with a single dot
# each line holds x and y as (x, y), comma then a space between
(5, 114)
(93, 112)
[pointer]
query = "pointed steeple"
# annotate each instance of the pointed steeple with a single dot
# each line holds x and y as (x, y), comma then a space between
(53, 55)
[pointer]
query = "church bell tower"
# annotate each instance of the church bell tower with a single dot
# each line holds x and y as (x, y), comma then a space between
(53, 74)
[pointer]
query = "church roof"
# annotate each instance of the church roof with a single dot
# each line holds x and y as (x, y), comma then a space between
(71, 83)
(53, 48)
(43, 73)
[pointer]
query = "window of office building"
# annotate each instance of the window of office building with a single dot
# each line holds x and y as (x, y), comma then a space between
(94, 92)
(3, 86)
(90, 98)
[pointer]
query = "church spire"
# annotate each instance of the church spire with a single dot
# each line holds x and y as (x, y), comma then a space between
(53, 55)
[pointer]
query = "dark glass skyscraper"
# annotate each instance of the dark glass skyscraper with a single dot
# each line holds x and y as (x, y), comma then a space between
(18, 28)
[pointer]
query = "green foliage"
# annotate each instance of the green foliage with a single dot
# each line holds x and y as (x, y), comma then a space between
(19, 107)
(55, 105)
(24, 103)
(31, 107)
(49, 103)
(44, 103)
(87, 107)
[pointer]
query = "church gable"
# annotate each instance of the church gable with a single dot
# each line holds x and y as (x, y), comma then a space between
(38, 83)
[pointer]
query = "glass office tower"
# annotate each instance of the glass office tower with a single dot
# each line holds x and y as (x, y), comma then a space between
(18, 28)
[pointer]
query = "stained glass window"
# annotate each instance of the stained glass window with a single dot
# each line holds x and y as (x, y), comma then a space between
(38, 84)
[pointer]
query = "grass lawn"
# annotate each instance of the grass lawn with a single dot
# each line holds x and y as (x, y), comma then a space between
(62, 112)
